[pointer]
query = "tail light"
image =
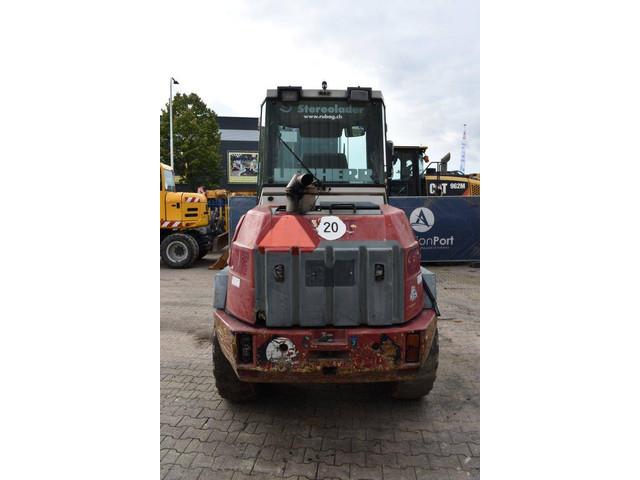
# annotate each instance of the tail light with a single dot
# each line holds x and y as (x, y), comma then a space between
(412, 348)
(245, 348)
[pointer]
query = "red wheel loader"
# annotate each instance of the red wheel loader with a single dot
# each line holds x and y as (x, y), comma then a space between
(324, 282)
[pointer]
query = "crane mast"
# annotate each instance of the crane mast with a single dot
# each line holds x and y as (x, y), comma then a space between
(463, 147)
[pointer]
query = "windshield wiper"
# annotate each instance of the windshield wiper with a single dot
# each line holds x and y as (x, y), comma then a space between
(295, 155)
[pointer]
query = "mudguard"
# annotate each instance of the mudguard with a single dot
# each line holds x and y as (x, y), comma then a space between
(220, 288)
(429, 280)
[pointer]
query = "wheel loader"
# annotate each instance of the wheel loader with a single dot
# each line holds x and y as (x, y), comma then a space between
(185, 223)
(412, 174)
(324, 282)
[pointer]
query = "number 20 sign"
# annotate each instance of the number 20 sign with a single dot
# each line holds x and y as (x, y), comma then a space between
(331, 227)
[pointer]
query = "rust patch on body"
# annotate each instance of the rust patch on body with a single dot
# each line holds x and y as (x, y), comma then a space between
(227, 341)
(389, 350)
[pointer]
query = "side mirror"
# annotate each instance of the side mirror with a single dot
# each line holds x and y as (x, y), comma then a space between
(354, 131)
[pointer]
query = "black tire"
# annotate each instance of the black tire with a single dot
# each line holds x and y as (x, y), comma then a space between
(421, 386)
(227, 382)
(179, 250)
(204, 244)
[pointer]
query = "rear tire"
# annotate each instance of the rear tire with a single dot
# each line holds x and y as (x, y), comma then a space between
(179, 250)
(204, 244)
(227, 382)
(421, 386)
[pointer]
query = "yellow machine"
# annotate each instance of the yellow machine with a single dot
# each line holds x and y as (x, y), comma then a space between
(407, 176)
(185, 223)
(442, 182)
(219, 209)
(219, 199)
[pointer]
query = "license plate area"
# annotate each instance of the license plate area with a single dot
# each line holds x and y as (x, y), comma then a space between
(320, 355)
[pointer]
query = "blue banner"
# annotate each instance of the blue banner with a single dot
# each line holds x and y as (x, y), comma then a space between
(447, 228)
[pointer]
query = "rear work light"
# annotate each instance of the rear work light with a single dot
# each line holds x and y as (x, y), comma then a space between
(359, 94)
(412, 348)
(379, 272)
(245, 348)
(289, 94)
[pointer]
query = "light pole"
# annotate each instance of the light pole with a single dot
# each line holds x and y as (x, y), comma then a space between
(172, 82)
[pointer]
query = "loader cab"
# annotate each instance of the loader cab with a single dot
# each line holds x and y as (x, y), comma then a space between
(405, 171)
(336, 135)
(167, 187)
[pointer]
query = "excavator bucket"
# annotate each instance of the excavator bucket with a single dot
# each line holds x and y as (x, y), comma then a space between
(221, 262)
(220, 242)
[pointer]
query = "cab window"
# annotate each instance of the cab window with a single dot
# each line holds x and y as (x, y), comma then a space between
(169, 182)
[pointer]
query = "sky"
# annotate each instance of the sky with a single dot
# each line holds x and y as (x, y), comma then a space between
(423, 56)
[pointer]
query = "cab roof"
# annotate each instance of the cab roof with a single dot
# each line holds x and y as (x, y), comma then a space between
(411, 147)
(320, 94)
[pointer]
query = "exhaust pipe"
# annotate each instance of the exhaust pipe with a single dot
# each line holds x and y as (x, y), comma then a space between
(295, 191)
(444, 163)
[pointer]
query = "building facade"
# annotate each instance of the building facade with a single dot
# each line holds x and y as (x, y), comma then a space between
(239, 152)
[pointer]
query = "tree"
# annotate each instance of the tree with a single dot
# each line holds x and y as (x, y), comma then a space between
(196, 141)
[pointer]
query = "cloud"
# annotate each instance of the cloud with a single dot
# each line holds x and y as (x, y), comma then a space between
(424, 56)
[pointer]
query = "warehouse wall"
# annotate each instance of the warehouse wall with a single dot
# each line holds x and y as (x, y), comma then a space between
(239, 145)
